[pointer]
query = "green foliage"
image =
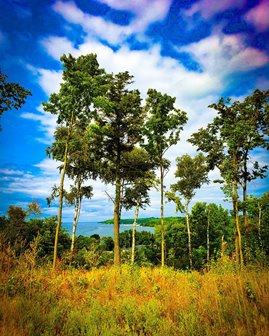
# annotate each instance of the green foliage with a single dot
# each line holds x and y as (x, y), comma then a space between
(258, 219)
(220, 226)
(139, 179)
(12, 95)
(107, 243)
(161, 131)
(150, 221)
(75, 106)
(238, 129)
(83, 81)
(15, 225)
(117, 127)
(19, 233)
(142, 238)
(86, 242)
(113, 135)
(164, 124)
(192, 173)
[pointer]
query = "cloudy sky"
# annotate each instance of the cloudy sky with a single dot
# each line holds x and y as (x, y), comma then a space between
(196, 51)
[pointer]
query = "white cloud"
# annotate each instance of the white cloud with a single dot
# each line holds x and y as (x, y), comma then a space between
(39, 185)
(220, 55)
(34, 185)
(146, 12)
(163, 73)
(49, 167)
(11, 172)
(49, 80)
(63, 46)
(47, 124)
(93, 25)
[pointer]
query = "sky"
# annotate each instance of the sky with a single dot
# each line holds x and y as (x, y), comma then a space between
(196, 51)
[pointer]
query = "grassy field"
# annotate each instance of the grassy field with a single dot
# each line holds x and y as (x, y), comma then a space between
(133, 301)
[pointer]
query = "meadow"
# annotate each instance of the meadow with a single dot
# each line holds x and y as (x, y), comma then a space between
(131, 300)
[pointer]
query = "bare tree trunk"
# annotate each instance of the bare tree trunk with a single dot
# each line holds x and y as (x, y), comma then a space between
(60, 210)
(260, 224)
(75, 223)
(207, 235)
(117, 222)
(189, 231)
(133, 233)
(61, 193)
(245, 212)
(238, 240)
(162, 216)
(223, 246)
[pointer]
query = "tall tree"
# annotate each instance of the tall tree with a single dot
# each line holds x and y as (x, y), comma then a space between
(192, 173)
(12, 95)
(116, 131)
(253, 123)
(138, 184)
(81, 167)
(162, 130)
(228, 141)
(83, 82)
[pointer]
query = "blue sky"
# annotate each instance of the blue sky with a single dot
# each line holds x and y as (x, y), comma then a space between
(196, 51)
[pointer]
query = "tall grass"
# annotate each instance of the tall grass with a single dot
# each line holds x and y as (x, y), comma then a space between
(133, 301)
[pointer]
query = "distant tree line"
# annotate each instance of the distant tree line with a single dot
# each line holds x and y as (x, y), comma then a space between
(211, 227)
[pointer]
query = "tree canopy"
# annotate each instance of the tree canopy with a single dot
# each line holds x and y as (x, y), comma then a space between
(12, 95)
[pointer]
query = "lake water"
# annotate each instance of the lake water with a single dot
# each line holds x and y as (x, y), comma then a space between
(90, 228)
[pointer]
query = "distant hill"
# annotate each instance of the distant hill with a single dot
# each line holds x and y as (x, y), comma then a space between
(151, 221)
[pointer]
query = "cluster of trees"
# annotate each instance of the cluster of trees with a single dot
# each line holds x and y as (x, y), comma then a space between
(18, 231)
(105, 132)
(212, 236)
(238, 129)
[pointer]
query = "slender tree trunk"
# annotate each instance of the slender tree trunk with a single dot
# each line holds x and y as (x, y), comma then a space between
(238, 240)
(223, 246)
(162, 216)
(260, 224)
(207, 235)
(246, 228)
(75, 223)
(60, 210)
(244, 208)
(117, 221)
(189, 231)
(61, 193)
(134, 233)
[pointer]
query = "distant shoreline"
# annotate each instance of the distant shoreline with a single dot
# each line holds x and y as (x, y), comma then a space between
(149, 222)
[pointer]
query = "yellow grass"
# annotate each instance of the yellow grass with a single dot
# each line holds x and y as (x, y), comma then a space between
(134, 301)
